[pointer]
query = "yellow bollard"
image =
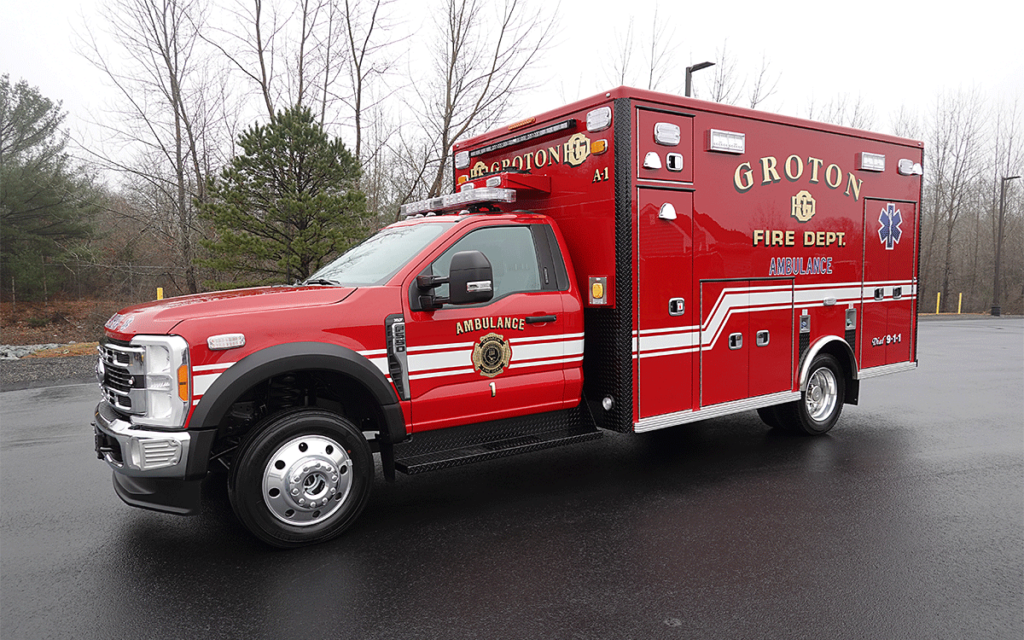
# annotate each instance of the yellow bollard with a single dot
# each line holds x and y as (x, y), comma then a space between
(938, 298)
(159, 293)
(959, 304)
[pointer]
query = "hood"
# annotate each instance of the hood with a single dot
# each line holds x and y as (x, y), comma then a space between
(161, 316)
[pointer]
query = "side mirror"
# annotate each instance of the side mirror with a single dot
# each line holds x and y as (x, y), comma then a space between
(469, 281)
(469, 278)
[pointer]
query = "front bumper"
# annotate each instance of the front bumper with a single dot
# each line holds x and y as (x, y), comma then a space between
(156, 470)
(138, 453)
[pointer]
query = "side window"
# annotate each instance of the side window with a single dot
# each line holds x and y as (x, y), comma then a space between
(512, 255)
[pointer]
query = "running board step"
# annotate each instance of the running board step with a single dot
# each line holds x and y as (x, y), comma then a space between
(475, 443)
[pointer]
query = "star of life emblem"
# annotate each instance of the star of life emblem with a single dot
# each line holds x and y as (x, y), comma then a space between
(889, 232)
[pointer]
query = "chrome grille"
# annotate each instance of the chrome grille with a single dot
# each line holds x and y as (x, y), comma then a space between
(122, 380)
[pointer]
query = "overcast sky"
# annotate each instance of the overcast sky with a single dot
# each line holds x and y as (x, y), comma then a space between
(885, 52)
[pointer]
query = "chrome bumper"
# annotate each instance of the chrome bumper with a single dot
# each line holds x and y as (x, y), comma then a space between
(138, 453)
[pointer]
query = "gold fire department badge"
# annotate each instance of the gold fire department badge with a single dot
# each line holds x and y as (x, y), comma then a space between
(577, 149)
(491, 355)
(803, 206)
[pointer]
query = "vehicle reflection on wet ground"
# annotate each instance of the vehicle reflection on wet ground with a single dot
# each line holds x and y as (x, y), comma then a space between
(907, 521)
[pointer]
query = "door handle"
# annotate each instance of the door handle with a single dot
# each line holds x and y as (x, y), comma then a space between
(538, 319)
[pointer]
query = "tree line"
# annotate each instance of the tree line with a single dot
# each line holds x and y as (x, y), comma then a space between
(226, 142)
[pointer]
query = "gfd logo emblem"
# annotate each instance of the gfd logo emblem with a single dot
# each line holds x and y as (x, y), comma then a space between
(491, 355)
(803, 206)
(889, 232)
(577, 149)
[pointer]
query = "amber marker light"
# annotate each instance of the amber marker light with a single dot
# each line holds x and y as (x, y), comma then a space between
(598, 147)
(522, 123)
(183, 392)
(597, 291)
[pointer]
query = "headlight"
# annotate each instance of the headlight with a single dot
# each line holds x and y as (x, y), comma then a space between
(165, 360)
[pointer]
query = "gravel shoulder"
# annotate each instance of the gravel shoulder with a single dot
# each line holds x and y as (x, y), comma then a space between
(29, 373)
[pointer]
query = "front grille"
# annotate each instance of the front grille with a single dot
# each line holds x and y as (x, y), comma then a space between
(123, 374)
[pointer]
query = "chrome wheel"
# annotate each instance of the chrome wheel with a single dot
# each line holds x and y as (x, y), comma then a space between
(301, 476)
(306, 480)
(822, 394)
(821, 403)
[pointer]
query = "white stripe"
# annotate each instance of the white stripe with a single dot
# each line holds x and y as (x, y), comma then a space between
(438, 374)
(537, 363)
(444, 360)
(382, 364)
(442, 347)
(200, 384)
(212, 367)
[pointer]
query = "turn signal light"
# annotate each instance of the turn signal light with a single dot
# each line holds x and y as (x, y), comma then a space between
(183, 392)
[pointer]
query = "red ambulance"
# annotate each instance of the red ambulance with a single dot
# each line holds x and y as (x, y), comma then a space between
(629, 262)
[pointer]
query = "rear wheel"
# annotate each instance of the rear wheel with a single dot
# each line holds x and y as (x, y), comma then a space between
(303, 477)
(821, 403)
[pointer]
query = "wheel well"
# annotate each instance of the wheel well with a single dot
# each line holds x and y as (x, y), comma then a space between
(843, 354)
(325, 389)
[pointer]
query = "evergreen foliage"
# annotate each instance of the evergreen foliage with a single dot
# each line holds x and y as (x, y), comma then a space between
(46, 205)
(286, 205)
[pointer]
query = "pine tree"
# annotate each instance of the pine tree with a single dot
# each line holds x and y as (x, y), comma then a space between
(46, 205)
(286, 205)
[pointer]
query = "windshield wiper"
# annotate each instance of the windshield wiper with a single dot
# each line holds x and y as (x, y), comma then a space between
(321, 281)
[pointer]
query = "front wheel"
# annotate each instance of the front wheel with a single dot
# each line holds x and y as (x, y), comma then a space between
(821, 403)
(303, 477)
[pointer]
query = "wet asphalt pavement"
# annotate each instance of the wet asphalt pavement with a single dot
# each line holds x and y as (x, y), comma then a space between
(907, 521)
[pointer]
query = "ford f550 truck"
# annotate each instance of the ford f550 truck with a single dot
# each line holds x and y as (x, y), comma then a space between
(629, 262)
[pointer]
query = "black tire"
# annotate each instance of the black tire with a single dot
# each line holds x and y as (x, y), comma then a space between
(302, 477)
(821, 403)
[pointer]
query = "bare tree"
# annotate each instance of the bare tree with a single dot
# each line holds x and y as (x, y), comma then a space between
(366, 37)
(1007, 160)
(955, 145)
(250, 44)
(477, 66)
(764, 84)
(164, 115)
(622, 54)
(726, 86)
(845, 112)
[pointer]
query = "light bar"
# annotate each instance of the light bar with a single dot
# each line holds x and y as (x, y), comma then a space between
(870, 161)
(533, 135)
(454, 201)
(726, 141)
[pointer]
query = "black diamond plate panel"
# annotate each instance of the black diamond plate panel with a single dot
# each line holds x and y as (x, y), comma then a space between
(484, 441)
(608, 352)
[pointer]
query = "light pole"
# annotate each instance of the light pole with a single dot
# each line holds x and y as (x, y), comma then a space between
(690, 70)
(999, 243)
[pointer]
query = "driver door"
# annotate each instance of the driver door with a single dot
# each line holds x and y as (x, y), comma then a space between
(497, 359)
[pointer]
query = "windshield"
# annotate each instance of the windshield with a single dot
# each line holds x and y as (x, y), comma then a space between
(377, 259)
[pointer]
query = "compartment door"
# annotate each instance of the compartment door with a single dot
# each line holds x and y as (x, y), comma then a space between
(889, 290)
(724, 344)
(667, 336)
